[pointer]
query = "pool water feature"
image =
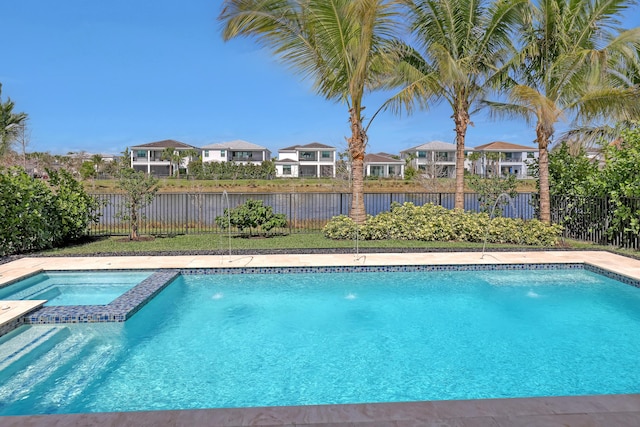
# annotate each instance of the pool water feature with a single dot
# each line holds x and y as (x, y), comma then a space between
(224, 340)
(74, 288)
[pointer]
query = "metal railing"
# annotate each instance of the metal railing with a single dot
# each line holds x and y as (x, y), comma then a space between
(191, 213)
(598, 219)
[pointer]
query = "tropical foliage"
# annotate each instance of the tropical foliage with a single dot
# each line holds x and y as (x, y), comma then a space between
(573, 65)
(10, 124)
(231, 170)
(343, 46)
(251, 217)
(35, 216)
(139, 191)
(460, 56)
(435, 223)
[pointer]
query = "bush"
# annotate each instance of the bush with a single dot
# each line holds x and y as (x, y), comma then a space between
(435, 223)
(252, 216)
(35, 216)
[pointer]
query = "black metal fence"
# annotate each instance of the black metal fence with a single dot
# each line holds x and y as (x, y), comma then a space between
(589, 219)
(196, 212)
(599, 220)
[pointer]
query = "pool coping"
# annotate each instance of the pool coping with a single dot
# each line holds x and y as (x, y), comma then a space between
(600, 410)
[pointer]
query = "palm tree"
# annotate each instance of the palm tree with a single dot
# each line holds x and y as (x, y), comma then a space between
(10, 124)
(174, 157)
(342, 45)
(98, 162)
(461, 52)
(572, 65)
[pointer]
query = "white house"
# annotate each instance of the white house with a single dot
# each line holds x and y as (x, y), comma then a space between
(435, 159)
(383, 165)
(148, 157)
(313, 160)
(235, 151)
(502, 158)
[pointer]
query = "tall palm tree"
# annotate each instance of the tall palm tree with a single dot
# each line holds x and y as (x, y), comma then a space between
(10, 124)
(461, 49)
(572, 65)
(341, 45)
(174, 158)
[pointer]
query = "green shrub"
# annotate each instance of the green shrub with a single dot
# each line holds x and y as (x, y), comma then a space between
(35, 216)
(252, 216)
(435, 223)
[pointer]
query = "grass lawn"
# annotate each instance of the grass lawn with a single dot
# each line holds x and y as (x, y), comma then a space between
(221, 243)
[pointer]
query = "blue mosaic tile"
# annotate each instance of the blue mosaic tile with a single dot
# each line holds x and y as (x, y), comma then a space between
(118, 310)
(379, 269)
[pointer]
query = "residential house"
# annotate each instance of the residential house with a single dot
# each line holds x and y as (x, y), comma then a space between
(313, 160)
(237, 151)
(502, 159)
(148, 157)
(383, 165)
(435, 159)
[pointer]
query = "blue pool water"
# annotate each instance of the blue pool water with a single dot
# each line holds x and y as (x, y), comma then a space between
(296, 339)
(74, 288)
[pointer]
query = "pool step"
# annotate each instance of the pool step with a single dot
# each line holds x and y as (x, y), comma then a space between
(94, 361)
(36, 367)
(28, 341)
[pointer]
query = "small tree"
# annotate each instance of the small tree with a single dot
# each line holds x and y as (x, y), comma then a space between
(252, 215)
(139, 191)
(489, 191)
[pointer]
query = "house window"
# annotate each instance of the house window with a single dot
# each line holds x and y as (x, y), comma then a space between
(530, 155)
(141, 153)
(508, 156)
(223, 153)
(286, 170)
(422, 154)
(392, 170)
(206, 153)
(442, 156)
(326, 154)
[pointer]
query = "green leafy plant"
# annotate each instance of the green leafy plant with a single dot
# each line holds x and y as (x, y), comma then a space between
(252, 217)
(434, 223)
(77, 209)
(35, 216)
(490, 189)
(139, 191)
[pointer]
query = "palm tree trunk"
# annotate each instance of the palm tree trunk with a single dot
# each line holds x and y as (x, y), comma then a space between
(461, 118)
(543, 134)
(357, 144)
(543, 170)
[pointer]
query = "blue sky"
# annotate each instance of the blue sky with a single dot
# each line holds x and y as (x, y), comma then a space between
(100, 76)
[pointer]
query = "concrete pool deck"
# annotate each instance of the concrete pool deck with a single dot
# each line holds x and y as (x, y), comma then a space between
(605, 410)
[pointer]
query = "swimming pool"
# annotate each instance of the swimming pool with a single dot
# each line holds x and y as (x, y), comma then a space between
(74, 288)
(298, 339)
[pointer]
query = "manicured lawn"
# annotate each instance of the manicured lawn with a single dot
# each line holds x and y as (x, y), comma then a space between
(221, 243)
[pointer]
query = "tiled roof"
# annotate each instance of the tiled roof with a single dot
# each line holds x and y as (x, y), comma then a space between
(381, 158)
(432, 146)
(503, 146)
(286, 161)
(237, 144)
(307, 146)
(165, 144)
